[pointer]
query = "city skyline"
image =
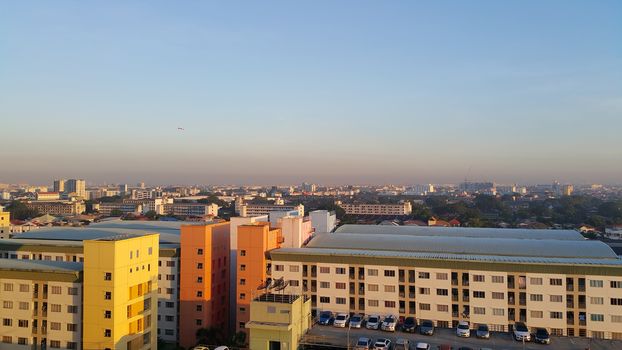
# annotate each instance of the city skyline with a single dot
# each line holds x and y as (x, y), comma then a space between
(355, 92)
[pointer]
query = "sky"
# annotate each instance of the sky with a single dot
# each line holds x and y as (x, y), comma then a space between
(320, 91)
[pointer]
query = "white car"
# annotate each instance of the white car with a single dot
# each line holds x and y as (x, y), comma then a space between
(521, 332)
(402, 344)
(422, 346)
(382, 344)
(463, 329)
(389, 323)
(363, 344)
(373, 322)
(341, 320)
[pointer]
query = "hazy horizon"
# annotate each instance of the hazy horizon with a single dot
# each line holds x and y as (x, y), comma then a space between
(328, 92)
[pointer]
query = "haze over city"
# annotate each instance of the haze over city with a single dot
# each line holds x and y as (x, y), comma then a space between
(355, 92)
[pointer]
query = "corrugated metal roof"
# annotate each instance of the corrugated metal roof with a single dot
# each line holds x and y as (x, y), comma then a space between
(40, 265)
(445, 256)
(482, 232)
(465, 245)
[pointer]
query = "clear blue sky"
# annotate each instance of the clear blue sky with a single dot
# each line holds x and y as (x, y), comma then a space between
(324, 91)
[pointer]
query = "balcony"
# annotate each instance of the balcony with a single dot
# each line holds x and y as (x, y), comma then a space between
(313, 289)
(351, 276)
(569, 304)
(361, 276)
(570, 287)
(454, 298)
(411, 295)
(582, 322)
(465, 283)
(465, 298)
(582, 288)
(402, 295)
(454, 314)
(570, 321)
(352, 290)
(581, 305)
(454, 282)
(510, 285)
(522, 302)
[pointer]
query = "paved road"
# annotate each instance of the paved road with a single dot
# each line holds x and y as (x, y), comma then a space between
(501, 341)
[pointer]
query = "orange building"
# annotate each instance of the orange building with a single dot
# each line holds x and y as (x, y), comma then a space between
(204, 280)
(254, 240)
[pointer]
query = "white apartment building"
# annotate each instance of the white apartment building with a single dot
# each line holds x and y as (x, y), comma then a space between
(378, 209)
(265, 209)
(323, 220)
(551, 279)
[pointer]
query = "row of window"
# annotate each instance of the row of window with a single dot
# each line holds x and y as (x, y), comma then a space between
(54, 344)
(9, 287)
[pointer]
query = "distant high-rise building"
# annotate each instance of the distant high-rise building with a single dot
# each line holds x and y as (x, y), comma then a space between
(59, 185)
(141, 185)
(123, 189)
(567, 190)
(76, 186)
(307, 187)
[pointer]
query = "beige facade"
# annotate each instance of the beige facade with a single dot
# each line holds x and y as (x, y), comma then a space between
(59, 208)
(378, 209)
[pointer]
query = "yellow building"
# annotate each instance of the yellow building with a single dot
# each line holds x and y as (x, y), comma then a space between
(5, 223)
(278, 321)
(120, 292)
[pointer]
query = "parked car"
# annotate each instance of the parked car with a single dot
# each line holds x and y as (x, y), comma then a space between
(463, 330)
(521, 332)
(445, 347)
(422, 346)
(402, 344)
(465, 348)
(363, 344)
(356, 321)
(382, 344)
(409, 325)
(373, 322)
(326, 318)
(482, 331)
(222, 348)
(389, 323)
(341, 320)
(542, 336)
(426, 327)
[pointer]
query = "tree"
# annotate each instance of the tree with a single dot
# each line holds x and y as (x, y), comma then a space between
(210, 336)
(20, 211)
(116, 212)
(151, 214)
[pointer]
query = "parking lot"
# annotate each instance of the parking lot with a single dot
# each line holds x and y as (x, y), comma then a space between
(339, 337)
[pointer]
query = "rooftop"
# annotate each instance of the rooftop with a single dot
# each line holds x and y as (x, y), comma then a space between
(40, 265)
(474, 232)
(277, 298)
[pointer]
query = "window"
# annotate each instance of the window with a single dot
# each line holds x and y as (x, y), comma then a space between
(479, 294)
(8, 287)
(498, 312)
(324, 284)
(372, 272)
(389, 303)
(372, 287)
(56, 290)
(340, 270)
(7, 304)
(199, 308)
(279, 268)
(242, 296)
(536, 314)
(555, 281)
(72, 345)
(25, 288)
(373, 303)
(198, 321)
(498, 279)
(498, 295)
(556, 298)
(424, 275)
(597, 300)
(23, 305)
(7, 322)
(324, 269)
(442, 308)
(294, 283)
(242, 281)
(131, 254)
(616, 301)
(271, 309)
(72, 291)
(341, 301)
(22, 341)
(535, 297)
(557, 315)
(7, 339)
(325, 300)
(596, 283)
(424, 291)
(294, 268)
(389, 289)
(199, 294)
(199, 279)
(242, 267)
(169, 318)
(389, 273)
(108, 276)
(150, 250)
(55, 326)
(479, 278)
(170, 277)
(169, 304)
(22, 323)
(597, 317)
(425, 307)
(340, 285)
(616, 318)
(440, 291)
(72, 309)
(615, 284)
(441, 276)
(107, 314)
(479, 310)
(535, 281)
(200, 252)
(107, 295)
(55, 344)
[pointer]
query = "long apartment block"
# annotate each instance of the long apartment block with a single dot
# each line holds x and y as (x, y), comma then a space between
(546, 278)
(108, 301)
